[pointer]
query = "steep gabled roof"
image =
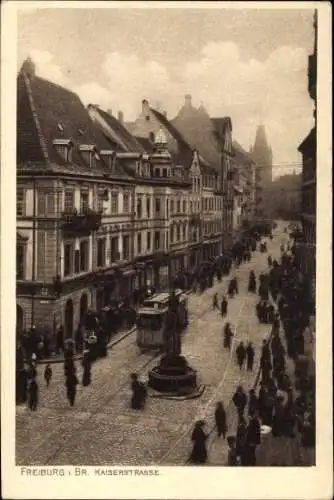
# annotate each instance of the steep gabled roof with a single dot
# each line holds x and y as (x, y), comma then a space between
(196, 126)
(120, 134)
(45, 112)
(146, 144)
(185, 150)
(240, 153)
(221, 123)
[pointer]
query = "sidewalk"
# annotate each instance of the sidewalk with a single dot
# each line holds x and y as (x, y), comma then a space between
(118, 337)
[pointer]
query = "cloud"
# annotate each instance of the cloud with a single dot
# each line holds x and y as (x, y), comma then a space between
(90, 92)
(273, 91)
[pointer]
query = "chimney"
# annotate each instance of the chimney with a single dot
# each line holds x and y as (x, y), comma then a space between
(187, 100)
(120, 116)
(29, 68)
(109, 111)
(144, 106)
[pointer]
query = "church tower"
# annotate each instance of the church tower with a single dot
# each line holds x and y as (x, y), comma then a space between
(262, 156)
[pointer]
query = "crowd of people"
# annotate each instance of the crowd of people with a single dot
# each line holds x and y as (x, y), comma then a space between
(281, 402)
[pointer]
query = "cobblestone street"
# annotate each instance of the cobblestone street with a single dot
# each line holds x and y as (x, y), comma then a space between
(102, 430)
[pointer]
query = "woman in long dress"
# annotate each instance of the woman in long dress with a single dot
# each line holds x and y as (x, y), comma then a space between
(199, 454)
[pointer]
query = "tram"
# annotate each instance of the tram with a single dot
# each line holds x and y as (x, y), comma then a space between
(151, 319)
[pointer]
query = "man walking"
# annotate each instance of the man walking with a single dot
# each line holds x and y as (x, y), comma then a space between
(250, 356)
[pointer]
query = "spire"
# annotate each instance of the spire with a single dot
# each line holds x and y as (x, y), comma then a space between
(261, 151)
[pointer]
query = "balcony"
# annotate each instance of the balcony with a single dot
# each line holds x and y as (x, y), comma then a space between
(80, 224)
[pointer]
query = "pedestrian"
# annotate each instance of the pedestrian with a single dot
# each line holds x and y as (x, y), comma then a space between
(87, 365)
(240, 400)
(139, 393)
(199, 453)
(252, 282)
(215, 301)
(250, 353)
(241, 439)
(223, 307)
(220, 419)
(71, 386)
(232, 458)
(241, 354)
(48, 374)
(253, 403)
(278, 417)
(228, 335)
(33, 395)
(253, 439)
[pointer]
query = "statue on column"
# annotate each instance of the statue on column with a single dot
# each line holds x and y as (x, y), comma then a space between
(172, 328)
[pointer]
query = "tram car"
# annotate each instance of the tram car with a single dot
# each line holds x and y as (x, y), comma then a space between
(151, 319)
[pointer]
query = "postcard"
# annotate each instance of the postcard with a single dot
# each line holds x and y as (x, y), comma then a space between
(166, 250)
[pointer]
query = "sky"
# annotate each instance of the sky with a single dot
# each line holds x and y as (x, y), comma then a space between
(249, 64)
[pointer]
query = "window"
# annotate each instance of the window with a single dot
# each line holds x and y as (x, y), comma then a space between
(114, 253)
(41, 251)
(184, 209)
(84, 202)
(157, 205)
(69, 201)
(68, 259)
(171, 237)
(50, 204)
(190, 206)
(171, 206)
(148, 207)
(178, 233)
(184, 232)
(139, 243)
(114, 204)
(156, 240)
(164, 172)
(148, 240)
(20, 258)
(126, 203)
(126, 247)
(139, 207)
(41, 203)
(20, 201)
(76, 261)
(84, 254)
(101, 252)
(178, 206)
(100, 202)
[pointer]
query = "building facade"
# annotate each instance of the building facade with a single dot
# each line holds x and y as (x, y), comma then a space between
(74, 209)
(308, 149)
(93, 217)
(205, 220)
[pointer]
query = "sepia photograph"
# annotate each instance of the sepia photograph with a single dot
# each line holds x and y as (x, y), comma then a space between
(166, 236)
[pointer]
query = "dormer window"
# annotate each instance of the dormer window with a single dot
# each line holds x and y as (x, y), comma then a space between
(89, 153)
(64, 148)
(108, 157)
